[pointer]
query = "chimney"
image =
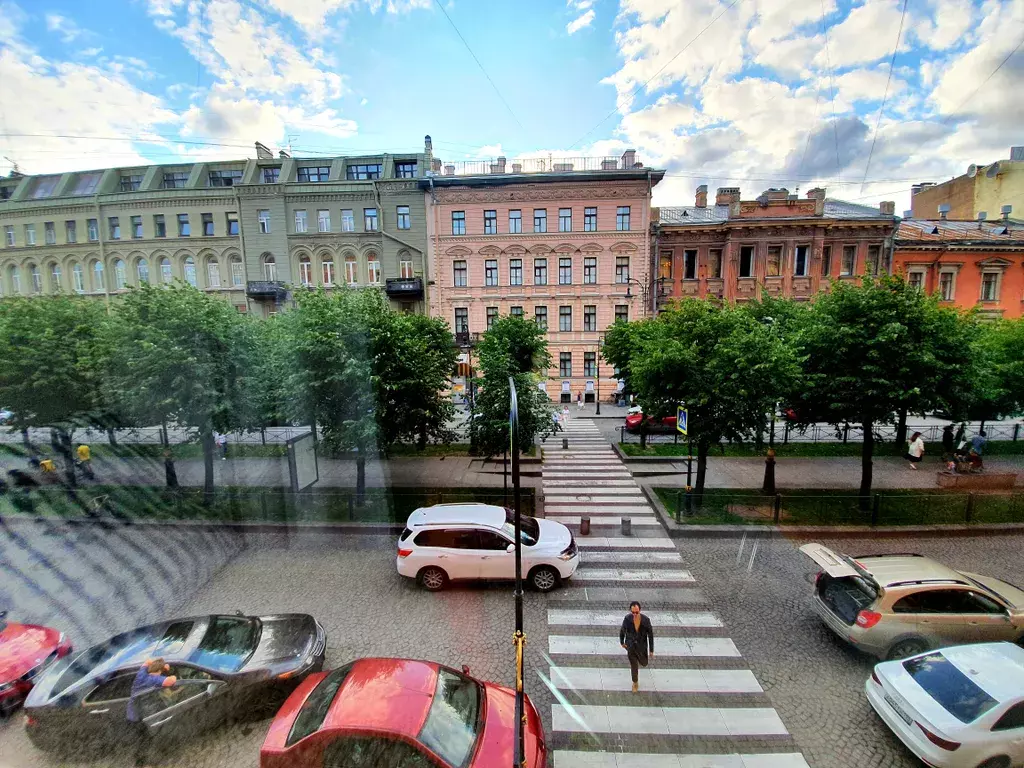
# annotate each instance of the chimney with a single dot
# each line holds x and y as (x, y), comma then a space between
(428, 151)
(1017, 154)
(498, 167)
(775, 194)
(943, 210)
(887, 208)
(908, 214)
(1006, 210)
(818, 193)
(920, 187)
(628, 159)
(262, 153)
(702, 196)
(449, 170)
(283, 155)
(435, 164)
(517, 167)
(982, 215)
(727, 195)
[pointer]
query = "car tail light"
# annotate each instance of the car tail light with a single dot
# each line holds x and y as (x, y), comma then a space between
(875, 678)
(404, 552)
(817, 579)
(949, 746)
(868, 619)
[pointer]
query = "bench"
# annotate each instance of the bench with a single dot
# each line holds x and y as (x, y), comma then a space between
(981, 481)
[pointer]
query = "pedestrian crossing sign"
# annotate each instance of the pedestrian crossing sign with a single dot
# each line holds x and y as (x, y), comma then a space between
(681, 414)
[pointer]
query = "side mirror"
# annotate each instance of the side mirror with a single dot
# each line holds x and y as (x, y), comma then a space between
(510, 548)
(212, 687)
(465, 670)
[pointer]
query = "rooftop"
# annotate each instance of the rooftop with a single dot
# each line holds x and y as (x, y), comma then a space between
(998, 231)
(774, 205)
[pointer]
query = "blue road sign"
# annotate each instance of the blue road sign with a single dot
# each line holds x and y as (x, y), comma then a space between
(681, 414)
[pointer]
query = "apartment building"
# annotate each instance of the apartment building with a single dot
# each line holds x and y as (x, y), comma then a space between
(565, 243)
(986, 190)
(251, 231)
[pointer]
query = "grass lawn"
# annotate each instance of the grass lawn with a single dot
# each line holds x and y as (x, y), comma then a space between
(994, 448)
(841, 507)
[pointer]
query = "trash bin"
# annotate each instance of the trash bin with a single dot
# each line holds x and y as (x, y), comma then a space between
(627, 526)
(565, 443)
(585, 525)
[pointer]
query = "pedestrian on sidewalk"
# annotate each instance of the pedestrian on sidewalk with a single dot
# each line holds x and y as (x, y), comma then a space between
(84, 455)
(978, 442)
(636, 635)
(565, 415)
(948, 443)
(222, 444)
(579, 401)
(915, 450)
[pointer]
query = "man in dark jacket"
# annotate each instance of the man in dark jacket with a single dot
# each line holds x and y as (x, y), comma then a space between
(636, 635)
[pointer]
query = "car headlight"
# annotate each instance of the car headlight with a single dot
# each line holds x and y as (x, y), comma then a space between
(567, 556)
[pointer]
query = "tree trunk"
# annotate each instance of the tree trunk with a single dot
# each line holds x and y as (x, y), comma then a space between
(25, 440)
(421, 442)
(901, 429)
(361, 480)
(643, 433)
(866, 451)
(208, 448)
(63, 446)
(759, 438)
(703, 447)
(170, 473)
(111, 437)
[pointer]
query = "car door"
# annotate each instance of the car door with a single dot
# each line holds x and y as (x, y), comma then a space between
(179, 711)
(104, 710)
(437, 546)
(1007, 734)
(944, 615)
(496, 562)
(375, 752)
(988, 621)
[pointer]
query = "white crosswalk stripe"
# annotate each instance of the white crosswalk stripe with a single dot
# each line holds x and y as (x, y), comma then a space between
(616, 679)
(570, 759)
(663, 721)
(591, 618)
(668, 647)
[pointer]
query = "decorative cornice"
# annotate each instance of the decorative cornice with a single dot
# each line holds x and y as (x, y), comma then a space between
(519, 193)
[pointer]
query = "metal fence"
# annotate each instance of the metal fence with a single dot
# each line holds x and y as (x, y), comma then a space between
(153, 436)
(547, 164)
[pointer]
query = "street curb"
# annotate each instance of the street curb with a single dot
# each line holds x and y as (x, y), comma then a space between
(240, 526)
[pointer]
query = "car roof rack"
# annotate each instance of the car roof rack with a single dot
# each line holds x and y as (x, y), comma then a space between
(891, 554)
(926, 581)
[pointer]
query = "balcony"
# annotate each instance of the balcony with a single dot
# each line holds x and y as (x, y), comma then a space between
(404, 287)
(466, 339)
(262, 290)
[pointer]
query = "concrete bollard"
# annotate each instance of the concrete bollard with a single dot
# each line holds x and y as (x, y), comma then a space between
(627, 526)
(585, 525)
(565, 443)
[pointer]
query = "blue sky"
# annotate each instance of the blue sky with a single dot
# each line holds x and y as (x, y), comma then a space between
(749, 93)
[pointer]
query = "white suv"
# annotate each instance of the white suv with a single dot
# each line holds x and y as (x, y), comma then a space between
(475, 541)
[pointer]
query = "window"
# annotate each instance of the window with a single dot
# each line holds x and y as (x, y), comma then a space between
(212, 274)
(461, 320)
(114, 227)
(404, 221)
(237, 271)
(665, 264)
(515, 222)
(590, 219)
(115, 689)
(9, 236)
(849, 260)
(540, 220)
(622, 313)
(589, 270)
(565, 318)
(590, 364)
(30, 234)
(458, 222)
(873, 263)
(515, 272)
(97, 276)
(271, 175)
(370, 219)
(300, 221)
(269, 268)
(622, 218)
(120, 275)
(45, 186)
(314, 710)
(565, 271)
(323, 221)
(492, 315)
(185, 229)
(190, 271)
(491, 272)
(305, 270)
(37, 279)
(362, 172)
(516, 311)
(175, 180)
(232, 224)
(327, 270)
(142, 270)
(405, 269)
(55, 276)
(159, 226)
(405, 170)
(130, 182)
(348, 220)
(225, 178)
(459, 277)
(826, 260)
(70, 231)
(747, 261)
(92, 227)
(313, 173)
(1012, 718)
(800, 259)
(915, 279)
(86, 184)
(540, 271)
(540, 317)
(622, 269)
(490, 222)
(77, 278)
(372, 269)
(351, 269)
(49, 233)
(565, 364)
(990, 286)
(590, 318)
(263, 217)
(565, 219)
(773, 264)
(453, 722)
(137, 227)
(949, 686)
(166, 275)
(15, 276)
(689, 265)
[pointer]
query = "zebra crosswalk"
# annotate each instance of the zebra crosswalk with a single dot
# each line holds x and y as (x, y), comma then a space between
(698, 705)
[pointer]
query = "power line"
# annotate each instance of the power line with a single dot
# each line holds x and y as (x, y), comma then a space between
(832, 88)
(885, 94)
(660, 70)
(495, 87)
(953, 112)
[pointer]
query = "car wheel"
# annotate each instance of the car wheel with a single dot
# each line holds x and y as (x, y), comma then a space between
(906, 648)
(432, 578)
(544, 578)
(999, 761)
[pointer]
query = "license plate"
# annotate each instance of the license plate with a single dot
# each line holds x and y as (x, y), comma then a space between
(896, 708)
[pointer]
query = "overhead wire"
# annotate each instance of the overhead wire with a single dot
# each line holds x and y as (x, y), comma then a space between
(971, 95)
(832, 88)
(885, 94)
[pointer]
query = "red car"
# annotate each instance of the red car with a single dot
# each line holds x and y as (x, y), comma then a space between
(25, 651)
(401, 714)
(666, 424)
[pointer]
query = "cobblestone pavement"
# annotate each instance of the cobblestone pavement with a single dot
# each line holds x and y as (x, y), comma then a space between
(814, 680)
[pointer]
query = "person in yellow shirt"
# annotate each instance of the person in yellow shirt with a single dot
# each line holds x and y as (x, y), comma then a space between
(85, 460)
(47, 466)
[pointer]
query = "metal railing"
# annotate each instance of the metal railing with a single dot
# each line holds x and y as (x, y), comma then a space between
(547, 164)
(153, 436)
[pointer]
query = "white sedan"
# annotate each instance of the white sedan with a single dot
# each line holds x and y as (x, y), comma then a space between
(959, 707)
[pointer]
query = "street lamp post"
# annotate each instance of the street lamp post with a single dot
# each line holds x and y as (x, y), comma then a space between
(645, 291)
(519, 638)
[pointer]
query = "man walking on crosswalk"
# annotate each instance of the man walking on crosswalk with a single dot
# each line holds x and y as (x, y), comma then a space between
(636, 635)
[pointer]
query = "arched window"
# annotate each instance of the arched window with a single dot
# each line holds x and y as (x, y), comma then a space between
(120, 275)
(372, 269)
(166, 275)
(212, 273)
(37, 279)
(305, 270)
(190, 271)
(327, 270)
(77, 278)
(97, 276)
(351, 269)
(237, 272)
(269, 267)
(15, 276)
(143, 270)
(55, 275)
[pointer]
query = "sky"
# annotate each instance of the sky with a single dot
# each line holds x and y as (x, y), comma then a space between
(863, 98)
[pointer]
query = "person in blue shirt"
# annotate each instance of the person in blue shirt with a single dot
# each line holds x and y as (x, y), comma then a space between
(152, 676)
(978, 442)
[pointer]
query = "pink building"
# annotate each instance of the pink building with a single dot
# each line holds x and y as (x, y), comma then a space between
(567, 248)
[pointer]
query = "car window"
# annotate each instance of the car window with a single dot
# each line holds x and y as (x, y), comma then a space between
(317, 704)
(950, 687)
(1012, 718)
(228, 643)
(158, 699)
(435, 538)
(110, 654)
(353, 752)
(490, 540)
(118, 687)
(937, 601)
(979, 603)
(453, 722)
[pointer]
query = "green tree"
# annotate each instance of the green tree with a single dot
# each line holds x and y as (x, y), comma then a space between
(998, 384)
(185, 358)
(722, 362)
(517, 348)
(52, 364)
(879, 348)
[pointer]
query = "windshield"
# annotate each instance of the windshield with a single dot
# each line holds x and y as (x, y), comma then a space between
(945, 683)
(317, 704)
(227, 644)
(453, 722)
(115, 652)
(529, 528)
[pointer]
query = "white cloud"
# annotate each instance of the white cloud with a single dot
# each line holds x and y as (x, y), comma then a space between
(313, 15)
(867, 34)
(364, 101)
(946, 25)
(581, 21)
(865, 85)
(579, 5)
(68, 30)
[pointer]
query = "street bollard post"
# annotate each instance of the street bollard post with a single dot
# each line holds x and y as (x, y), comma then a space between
(679, 505)
(585, 525)
(969, 512)
(627, 526)
(777, 511)
(565, 443)
(876, 505)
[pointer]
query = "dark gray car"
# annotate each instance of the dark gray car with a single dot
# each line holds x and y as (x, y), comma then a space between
(226, 666)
